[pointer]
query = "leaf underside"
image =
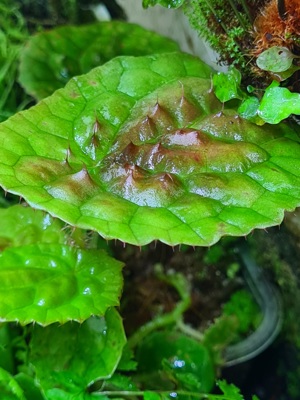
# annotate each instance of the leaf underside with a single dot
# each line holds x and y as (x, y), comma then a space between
(52, 57)
(140, 149)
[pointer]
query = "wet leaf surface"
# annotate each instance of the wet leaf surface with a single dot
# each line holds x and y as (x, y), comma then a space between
(140, 149)
(282, 100)
(46, 283)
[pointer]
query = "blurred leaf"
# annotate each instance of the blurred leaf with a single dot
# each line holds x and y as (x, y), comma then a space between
(127, 362)
(219, 335)
(249, 110)
(282, 76)
(27, 383)
(13, 34)
(242, 305)
(6, 351)
(46, 283)
(52, 57)
(79, 355)
(231, 392)
(119, 382)
(9, 388)
(275, 59)
(151, 395)
(21, 225)
(185, 359)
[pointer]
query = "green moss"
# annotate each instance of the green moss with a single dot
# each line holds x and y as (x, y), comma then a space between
(225, 25)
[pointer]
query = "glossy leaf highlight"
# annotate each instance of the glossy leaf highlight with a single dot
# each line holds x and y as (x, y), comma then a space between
(48, 283)
(140, 149)
(280, 99)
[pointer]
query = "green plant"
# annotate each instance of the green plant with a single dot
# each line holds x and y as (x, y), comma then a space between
(13, 33)
(138, 149)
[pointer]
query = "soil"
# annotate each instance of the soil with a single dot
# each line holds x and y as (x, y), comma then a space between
(145, 294)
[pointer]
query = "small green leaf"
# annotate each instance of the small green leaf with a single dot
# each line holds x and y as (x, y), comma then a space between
(52, 57)
(230, 391)
(227, 85)
(46, 283)
(277, 104)
(249, 110)
(79, 355)
(275, 59)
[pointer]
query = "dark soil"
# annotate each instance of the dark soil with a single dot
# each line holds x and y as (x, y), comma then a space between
(145, 295)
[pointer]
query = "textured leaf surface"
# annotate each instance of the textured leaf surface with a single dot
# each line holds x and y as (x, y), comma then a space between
(139, 149)
(51, 58)
(79, 355)
(49, 283)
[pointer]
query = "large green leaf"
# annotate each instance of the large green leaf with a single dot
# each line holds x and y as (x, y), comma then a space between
(79, 355)
(141, 149)
(51, 58)
(48, 283)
